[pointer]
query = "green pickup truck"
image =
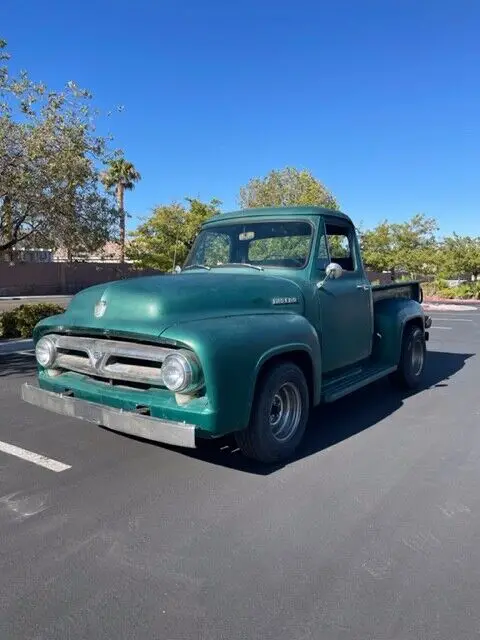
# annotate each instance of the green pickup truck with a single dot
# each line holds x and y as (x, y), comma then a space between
(271, 315)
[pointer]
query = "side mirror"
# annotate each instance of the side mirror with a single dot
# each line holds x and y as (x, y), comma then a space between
(334, 271)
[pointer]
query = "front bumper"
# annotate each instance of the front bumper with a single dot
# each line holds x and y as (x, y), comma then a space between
(158, 430)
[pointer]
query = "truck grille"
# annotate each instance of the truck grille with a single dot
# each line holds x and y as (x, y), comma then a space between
(111, 359)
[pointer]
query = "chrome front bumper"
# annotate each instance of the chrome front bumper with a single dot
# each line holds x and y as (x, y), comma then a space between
(168, 432)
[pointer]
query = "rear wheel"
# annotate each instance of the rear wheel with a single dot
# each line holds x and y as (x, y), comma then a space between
(412, 358)
(279, 415)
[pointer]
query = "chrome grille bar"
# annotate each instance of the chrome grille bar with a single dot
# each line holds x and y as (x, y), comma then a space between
(111, 359)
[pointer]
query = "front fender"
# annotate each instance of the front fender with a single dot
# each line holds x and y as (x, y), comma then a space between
(390, 317)
(232, 351)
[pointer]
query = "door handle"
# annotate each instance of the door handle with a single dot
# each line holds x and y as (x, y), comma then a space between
(363, 287)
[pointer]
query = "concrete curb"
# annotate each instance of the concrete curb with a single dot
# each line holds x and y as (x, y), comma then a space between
(459, 301)
(432, 303)
(437, 306)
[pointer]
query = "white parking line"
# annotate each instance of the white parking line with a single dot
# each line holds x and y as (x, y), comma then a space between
(36, 458)
(444, 328)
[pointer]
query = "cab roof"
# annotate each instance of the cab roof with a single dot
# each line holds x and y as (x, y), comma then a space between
(276, 212)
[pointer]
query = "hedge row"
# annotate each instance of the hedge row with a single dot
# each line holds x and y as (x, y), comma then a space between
(464, 291)
(20, 322)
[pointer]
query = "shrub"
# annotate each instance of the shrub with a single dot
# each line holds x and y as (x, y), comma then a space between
(8, 324)
(464, 291)
(448, 293)
(430, 288)
(434, 288)
(20, 322)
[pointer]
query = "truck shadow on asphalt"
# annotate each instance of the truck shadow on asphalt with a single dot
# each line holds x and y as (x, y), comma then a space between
(331, 424)
(15, 364)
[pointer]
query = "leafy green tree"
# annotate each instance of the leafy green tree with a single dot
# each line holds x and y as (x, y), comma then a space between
(378, 250)
(164, 240)
(49, 188)
(416, 245)
(89, 221)
(407, 246)
(121, 175)
(460, 256)
(286, 187)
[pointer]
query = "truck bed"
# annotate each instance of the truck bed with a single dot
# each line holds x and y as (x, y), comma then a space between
(406, 289)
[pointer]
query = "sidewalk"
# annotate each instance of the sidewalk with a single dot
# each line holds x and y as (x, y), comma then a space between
(448, 307)
(55, 297)
(436, 299)
(7, 303)
(433, 303)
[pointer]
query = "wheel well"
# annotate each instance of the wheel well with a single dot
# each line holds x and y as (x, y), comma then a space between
(414, 322)
(300, 358)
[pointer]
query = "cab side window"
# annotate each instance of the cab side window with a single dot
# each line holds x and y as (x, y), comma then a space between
(341, 249)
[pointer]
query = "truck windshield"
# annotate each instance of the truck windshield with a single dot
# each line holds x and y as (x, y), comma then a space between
(264, 244)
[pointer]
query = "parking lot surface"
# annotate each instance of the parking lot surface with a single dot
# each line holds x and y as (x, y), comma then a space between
(371, 533)
(7, 304)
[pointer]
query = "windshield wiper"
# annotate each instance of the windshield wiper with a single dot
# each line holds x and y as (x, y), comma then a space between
(239, 264)
(196, 266)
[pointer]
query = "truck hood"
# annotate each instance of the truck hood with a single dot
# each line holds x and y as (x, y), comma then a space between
(149, 305)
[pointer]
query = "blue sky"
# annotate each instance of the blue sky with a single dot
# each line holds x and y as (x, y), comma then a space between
(378, 98)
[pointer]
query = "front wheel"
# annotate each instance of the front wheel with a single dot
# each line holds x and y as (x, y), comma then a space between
(412, 359)
(279, 415)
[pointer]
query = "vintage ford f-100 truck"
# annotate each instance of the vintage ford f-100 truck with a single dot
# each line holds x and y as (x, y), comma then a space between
(271, 315)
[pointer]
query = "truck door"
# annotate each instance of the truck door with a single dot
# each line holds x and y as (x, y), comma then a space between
(345, 304)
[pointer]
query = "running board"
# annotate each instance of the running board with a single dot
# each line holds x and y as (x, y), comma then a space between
(337, 388)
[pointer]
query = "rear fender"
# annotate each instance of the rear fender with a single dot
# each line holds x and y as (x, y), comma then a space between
(232, 352)
(390, 318)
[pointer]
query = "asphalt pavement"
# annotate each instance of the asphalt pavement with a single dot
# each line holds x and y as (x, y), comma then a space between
(371, 534)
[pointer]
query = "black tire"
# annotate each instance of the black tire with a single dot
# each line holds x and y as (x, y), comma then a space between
(412, 359)
(282, 390)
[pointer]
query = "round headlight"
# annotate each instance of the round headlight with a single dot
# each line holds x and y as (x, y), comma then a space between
(45, 352)
(180, 372)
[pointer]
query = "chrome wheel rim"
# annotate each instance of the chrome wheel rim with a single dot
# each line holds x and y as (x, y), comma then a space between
(285, 412)
(417, 357)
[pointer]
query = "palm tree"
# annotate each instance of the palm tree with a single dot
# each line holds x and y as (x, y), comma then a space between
(121, 175)
(6, 210)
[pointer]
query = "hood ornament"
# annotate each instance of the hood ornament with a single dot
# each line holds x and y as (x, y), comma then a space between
(100, 308)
